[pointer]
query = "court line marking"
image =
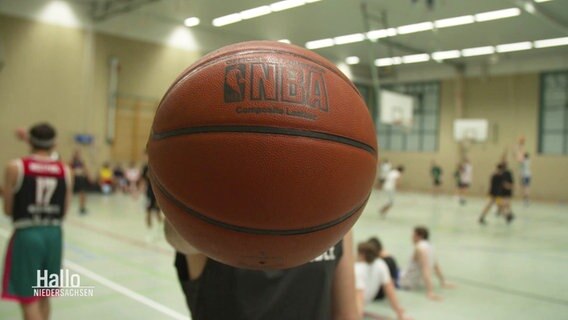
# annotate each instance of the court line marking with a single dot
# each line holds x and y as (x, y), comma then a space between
(519, 293)
(118, 237)
(117, 287)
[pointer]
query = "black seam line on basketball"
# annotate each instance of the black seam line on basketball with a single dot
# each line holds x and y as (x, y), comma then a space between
(237, 228)
(264, 130)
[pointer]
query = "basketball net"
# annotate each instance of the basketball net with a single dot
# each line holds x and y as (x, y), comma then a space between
(405, 124)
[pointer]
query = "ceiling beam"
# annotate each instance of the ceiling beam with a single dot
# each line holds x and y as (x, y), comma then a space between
(382, 20)
(538, 10)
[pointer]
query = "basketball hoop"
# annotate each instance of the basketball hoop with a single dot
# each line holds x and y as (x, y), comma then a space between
(465, 144)
(403, 124)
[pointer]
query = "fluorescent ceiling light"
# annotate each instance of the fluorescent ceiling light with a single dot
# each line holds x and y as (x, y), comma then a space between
(529, 7)
(286, 4)
(255, 12)
(59, 13)
(413, 58)
(352, 60)
(284, 41)
(350, 38)
(316, 44)
(539, 1)
(228, 19)
(498, 14)
(456, 21)
(417, 27)
(478, 51)
(509, 47)
(551, 42)
(383, 33)
(191, 22)
(383, 62)
(470, 52)
(442, 55)
(182, 38)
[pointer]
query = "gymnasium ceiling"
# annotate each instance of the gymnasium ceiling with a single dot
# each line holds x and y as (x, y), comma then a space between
(156, 20)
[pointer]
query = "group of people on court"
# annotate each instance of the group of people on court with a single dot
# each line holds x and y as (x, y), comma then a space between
(336, 285)
(113, 179)
(131, 181)
(500, 190)
(377, 274)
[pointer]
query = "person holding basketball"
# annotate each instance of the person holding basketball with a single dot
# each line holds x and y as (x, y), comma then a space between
(37, 194)
(321, 289)
(274, 178)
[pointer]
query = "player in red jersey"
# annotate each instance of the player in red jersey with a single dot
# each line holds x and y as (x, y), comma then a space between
(37, 191)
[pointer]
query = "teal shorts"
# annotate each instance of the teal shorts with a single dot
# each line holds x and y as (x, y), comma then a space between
(29, 250)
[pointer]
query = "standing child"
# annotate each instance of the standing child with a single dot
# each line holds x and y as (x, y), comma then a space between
(507, 193)
(385, 168)
(389, 188)
(494, 192)
(151, 203)
(436, 174)
(37, 192)
(526, 175)
(81, 182)
(465, 178)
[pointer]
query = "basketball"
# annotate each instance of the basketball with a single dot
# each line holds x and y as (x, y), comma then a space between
(262, 155)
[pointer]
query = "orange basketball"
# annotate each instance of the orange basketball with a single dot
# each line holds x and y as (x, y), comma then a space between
(262, 155)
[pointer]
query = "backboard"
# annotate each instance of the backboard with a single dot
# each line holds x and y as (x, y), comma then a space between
(396, 108)
(475, 130)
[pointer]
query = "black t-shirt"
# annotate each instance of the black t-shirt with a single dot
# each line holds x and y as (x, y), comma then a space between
(496, 185)
(393, 271)
(224, 292)
(507, 178)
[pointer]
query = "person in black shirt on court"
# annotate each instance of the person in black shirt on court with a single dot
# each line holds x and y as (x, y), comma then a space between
(389, 260)
(494, 192)
(500, 193)
(322, 289)
(507, 185)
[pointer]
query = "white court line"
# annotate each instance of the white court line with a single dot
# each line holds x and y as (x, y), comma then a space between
(117, 287)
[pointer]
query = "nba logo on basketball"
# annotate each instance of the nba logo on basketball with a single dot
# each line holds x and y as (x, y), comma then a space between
(274, 82)
(235, 83)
